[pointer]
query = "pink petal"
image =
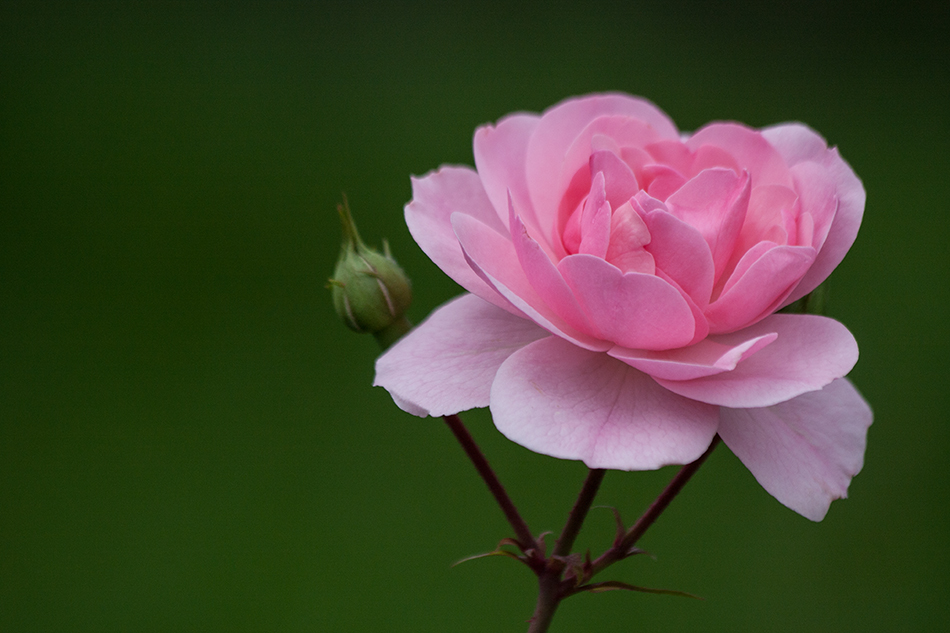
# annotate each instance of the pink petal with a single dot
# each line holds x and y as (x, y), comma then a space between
(435, 197)
(706, 358)
(681, 252)
(560, 127)
(559, 400)
(796, 142)
(761, 282)
(844, 229)
(595, 219)
(448, 362)
(494, 260)
(809, 353)
(620, 183)
(805, 451)
(500, 155)
(715, 203)
(661, 181)
(631, 309)
(545, 278)
(628, 237)
(750, 149)
(818, 199)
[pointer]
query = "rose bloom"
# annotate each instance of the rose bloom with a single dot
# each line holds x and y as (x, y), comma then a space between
(623, 280)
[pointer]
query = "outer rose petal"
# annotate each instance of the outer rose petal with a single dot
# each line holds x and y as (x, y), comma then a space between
(557, 399)
(804, 452)
(798, 143)
(809, 353)
(434, 370)
(435, 197)
(500, 154)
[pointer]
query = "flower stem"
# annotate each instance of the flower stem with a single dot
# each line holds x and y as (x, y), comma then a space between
(579, 512)
(621, 548)
(525, 539)
(548, 601)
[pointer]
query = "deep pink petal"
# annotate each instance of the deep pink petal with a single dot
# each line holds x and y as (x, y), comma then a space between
(706, 358)
(715, 204)
(557, 399)
(620, 183)
(750, 149)
(809, 353)
(631, 309)
(435, 197)
(760, 283)
(681, 252)
(805, 451)
(500, 156)
(545, 278)
(661, 181)
(494, 260)
(448, 362)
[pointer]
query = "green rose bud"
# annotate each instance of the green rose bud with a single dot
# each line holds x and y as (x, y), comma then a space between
(370, 291)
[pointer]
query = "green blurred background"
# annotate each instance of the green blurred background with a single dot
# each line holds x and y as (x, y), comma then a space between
(188, 437)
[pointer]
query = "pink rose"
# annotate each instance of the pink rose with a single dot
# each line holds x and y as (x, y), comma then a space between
(624, 278)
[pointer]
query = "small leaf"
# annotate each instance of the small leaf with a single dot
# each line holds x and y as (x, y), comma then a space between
(497, 552)
(621, 529)
(616, 585)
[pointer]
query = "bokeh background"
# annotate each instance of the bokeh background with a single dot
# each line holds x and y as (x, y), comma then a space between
(188, 437)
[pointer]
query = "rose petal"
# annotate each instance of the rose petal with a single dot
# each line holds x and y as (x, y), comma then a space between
(750, 149)
(560, 127)
(706, 358)
(796, 142)
(681, 252)
(804, 452)
(628, 237)
(761, 282)
(494, 260)
(557, 399)
(435, 371)
(595, 219)
(809, 353)
(545, 278)
(435, 197)
(620, 183)
(631, 309)
(500, 155)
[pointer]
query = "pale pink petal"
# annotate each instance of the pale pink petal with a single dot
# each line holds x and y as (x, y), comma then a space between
(750, 149)
(545, 278)
(796, 142)
(706, 358)
(500, 155)
(560, 127)
(681, 252)
(771, 217)
(631, 309)
(673, 154)
(809, 353)
(805, 451)
(715, 204)
(559, 400)
(448, 362)
(595, 219)
(435, 197)
(494, 260)
(760, 283)
(711, 156)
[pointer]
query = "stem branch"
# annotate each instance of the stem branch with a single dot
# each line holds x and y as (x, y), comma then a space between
(579, 512)
(525, 539)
